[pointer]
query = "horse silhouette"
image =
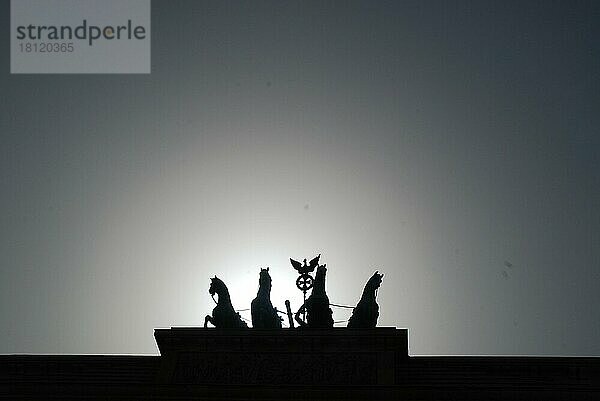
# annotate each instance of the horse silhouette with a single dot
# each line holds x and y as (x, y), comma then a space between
(318, 313)
(264, 315)
(366, 312)
(223, 315)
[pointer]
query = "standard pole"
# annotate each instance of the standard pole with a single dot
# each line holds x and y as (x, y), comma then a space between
(289, 313)
(304, 311)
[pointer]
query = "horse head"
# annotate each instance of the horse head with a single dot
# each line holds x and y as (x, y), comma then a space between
(375, 280)
(216, 286)
(264, 279)
(321, 272)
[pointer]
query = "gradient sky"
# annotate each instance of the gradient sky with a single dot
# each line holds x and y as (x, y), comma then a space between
(453, 146)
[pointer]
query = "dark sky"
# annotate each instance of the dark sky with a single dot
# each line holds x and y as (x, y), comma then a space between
(453, 146)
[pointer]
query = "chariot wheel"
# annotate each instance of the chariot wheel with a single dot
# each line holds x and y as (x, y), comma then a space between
(304, 282)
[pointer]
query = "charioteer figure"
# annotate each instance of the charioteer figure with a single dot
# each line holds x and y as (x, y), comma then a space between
(316, 308)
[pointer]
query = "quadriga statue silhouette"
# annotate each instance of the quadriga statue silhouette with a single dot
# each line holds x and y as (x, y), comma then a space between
(264, 315)
(223, 315)
(366, 312)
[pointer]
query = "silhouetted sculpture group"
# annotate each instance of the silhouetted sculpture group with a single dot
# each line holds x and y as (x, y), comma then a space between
(315, 313)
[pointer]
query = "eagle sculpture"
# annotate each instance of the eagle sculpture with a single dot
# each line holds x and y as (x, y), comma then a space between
(306, 268)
